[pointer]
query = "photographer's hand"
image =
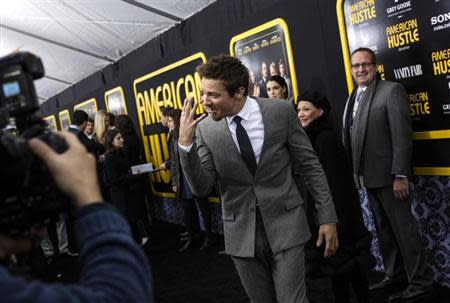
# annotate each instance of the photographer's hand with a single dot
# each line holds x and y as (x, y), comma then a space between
(74, 171)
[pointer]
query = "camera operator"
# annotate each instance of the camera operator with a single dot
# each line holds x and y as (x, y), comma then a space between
(113, 268)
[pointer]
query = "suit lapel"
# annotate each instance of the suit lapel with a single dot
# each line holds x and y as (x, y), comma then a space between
(224, 145)
(268, 119)
(228, 146)
(358, 134)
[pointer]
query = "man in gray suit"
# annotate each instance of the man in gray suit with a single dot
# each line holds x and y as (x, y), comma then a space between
(377, 134)
(248, 146)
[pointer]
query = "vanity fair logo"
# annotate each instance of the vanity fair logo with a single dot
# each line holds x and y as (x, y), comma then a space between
(408, 71)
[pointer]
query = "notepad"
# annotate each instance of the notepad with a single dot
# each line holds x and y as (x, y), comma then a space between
(142, 168)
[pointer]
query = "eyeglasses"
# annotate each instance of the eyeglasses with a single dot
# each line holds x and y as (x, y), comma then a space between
(363, 65)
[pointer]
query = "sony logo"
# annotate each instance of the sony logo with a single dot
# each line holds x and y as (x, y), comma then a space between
(440, 18)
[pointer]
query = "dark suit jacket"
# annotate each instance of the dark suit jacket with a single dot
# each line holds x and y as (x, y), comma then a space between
(92, 146)
(380, 142)
(215, 157)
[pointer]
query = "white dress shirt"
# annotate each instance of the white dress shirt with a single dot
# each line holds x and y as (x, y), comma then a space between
(252, 122)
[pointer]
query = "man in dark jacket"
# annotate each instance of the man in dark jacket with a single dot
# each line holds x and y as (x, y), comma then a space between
(113, 268)
(80, 120)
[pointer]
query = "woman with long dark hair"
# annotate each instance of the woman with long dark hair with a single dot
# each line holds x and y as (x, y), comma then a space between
(277, 88)
(348, 267)
(121, 183)
(184, 194)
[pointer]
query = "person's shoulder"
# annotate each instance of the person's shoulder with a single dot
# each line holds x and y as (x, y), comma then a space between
(111, 156)
(273, 102)
(389, 85)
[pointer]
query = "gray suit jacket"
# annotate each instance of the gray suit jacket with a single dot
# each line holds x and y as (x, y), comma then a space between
(215, 157)
(380, 141)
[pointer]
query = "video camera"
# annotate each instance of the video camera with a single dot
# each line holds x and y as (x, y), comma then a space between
(28, 195)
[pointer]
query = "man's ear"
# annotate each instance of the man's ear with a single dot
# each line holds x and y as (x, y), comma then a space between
(240, 93)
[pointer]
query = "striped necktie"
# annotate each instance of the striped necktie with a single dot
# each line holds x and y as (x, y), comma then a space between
(359, 94)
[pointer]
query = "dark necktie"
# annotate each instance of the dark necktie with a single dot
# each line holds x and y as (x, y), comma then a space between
(245, 146)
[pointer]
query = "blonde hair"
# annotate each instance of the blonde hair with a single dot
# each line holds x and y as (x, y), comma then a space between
(99, 126)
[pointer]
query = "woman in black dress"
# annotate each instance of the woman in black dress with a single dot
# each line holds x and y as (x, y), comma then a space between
(348, 267)
(125, 196)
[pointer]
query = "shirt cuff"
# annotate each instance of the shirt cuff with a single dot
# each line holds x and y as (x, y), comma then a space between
(185, 148)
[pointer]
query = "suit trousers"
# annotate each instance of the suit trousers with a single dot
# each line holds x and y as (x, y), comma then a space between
(191, 215)
(400, 243)
(270, 278)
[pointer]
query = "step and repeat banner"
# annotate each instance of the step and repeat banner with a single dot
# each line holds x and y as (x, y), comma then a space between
(412, 43)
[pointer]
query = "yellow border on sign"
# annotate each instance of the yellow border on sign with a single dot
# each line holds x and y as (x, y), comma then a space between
(112, 91)
(260, 28)
(82, 104)
(199, 55)
(64, 112)
(432, 171)
(344, 44)
(51, 119)
(423, 135)
(432, 135)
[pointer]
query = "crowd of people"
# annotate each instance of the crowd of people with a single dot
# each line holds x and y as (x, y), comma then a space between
(288, 182)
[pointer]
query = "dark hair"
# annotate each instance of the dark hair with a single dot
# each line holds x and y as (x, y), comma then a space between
(280, 80)
(112, 119)
(79, 117)
(367, 50)
(125, 125)
(109, 138)
(227, 69)
(317, 99)
(91, 120)
(175, 114)
(165, 110)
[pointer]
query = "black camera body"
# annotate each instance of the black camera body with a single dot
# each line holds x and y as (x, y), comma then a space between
(28, 195)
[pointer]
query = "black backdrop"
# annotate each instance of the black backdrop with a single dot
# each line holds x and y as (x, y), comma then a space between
(314, 36)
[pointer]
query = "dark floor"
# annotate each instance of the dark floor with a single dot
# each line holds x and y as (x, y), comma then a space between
(208, 276)
(194, 275)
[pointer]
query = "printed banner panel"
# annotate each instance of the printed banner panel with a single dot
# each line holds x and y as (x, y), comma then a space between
(167, 86)
(411, 40)
(266, 51)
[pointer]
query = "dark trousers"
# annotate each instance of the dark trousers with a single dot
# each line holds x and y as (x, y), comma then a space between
(70, 228)
(191, 209)
(400, 243)
(333, 284)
